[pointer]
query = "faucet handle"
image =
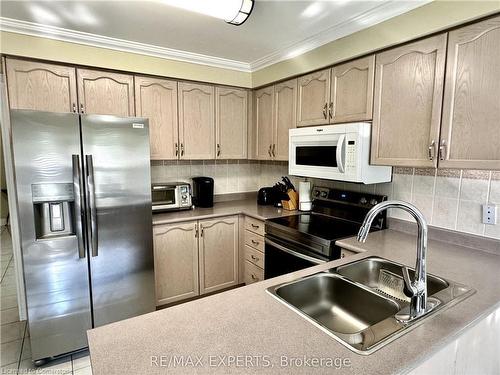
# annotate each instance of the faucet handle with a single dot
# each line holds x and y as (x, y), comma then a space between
(409, 289)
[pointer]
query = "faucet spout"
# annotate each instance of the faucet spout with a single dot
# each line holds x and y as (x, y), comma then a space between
(416, 289)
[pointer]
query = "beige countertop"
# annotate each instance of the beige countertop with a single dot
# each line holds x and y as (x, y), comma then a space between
(247, 207)
(249, 321)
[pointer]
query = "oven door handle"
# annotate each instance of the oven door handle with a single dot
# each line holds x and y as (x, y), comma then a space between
(294, 253)
(341, 153)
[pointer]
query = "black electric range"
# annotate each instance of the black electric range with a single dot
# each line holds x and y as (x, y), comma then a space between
(306, 239)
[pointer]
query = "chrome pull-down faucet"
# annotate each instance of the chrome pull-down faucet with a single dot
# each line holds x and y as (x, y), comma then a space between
(416, 289)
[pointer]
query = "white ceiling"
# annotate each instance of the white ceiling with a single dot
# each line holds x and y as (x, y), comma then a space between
(275, 31)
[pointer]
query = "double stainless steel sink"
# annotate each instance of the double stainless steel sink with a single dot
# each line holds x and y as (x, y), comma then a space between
(347, 302)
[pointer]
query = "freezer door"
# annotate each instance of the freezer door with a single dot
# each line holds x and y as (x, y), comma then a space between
(47, 163)
(118, 183)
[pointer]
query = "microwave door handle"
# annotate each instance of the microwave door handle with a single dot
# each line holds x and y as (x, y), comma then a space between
(341, 153)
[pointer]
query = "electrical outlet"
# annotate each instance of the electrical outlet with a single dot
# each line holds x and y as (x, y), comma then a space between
(489, 214)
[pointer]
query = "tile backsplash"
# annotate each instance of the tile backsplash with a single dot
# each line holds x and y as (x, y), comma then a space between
(230, 176)
(448, 198)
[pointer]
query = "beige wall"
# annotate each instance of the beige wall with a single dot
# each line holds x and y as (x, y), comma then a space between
(55, 50)
(432, 17)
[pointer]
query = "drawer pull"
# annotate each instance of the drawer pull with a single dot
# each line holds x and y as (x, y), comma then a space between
(254, 277)
(254, 257)
(255, 226)
(255, 242)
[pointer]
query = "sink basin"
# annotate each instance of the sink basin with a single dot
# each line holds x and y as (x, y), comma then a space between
(337, 303)
(346, 304)
(366, 271)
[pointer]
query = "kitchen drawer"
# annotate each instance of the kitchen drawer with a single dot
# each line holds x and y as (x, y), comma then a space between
(254, 225)
(346, 253)
(252, 273)
(254, 256)
(254, 240)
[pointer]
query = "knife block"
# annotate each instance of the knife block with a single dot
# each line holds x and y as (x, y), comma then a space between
(293, 203)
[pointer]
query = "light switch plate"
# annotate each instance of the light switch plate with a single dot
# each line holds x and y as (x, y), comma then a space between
(489, 214)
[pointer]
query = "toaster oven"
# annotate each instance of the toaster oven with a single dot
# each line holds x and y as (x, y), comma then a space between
(171, 196)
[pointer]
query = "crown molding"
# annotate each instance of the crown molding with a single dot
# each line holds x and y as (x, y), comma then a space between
(380, 13)
(94, 40)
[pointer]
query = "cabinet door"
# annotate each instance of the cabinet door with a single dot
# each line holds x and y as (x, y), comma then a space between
(352, 91)
(105, 93)
(231, 123)
(196, 121)
(176, 262)
(313, 98)
(285, 104)
(41, 87)
(218, 253)
(263, 118)
(156, 99)
(407, 103)
(471, 114)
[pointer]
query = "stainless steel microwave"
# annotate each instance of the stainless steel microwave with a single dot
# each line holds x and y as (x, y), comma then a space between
(171, 196)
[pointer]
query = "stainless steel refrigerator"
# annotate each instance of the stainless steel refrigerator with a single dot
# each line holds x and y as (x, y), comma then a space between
(84, 197)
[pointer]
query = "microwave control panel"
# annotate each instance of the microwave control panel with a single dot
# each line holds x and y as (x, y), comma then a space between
(351, 155)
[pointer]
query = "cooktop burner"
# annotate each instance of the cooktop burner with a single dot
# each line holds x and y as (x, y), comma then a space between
(319, 225)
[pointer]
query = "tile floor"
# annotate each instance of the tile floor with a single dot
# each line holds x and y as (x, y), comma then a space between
(15, 353)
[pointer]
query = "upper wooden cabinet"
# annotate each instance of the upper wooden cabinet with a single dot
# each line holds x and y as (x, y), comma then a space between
(176, 261)
(313, 98)
(285, 109)
(156, 99)
(231, 106)
(219, 242)
(196, 121)
(105, 93)
(263, 122)
(470, 136)
(41, 87)
(352, 91)
(407, 103)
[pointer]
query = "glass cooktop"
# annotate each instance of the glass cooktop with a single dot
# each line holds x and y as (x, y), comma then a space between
(322, 226)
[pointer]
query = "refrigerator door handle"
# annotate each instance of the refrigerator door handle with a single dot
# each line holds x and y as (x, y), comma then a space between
(77, 188)
(92, 210)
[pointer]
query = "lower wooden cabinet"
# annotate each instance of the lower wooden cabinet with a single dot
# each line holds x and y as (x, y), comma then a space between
(176, 262)
(194, 258)
(218, 244)
(253, 250)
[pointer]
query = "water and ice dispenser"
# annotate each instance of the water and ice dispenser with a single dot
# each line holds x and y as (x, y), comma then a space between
(53, 206)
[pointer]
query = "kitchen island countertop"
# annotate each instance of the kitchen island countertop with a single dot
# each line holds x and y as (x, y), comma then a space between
(248, 321)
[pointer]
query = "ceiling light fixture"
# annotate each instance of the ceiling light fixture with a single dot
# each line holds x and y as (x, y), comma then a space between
(235, 12)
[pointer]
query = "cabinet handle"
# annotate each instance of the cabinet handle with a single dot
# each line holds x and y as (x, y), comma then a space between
(254, 277)
(255, 242)
(442, 150)
(273, 150)
(432, 150)
(182, 149)
(196, 230)
(201, 230)
(324, 110)
(218, 150)
(176, 149)
(255, 226)
(330, 110)
(81, 108)
(74, 107)
(342, 255)
(269, 151)
(254, 257)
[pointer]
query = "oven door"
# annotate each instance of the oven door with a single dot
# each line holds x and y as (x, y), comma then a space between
(164, 197)
(283, 257)
(317, 154)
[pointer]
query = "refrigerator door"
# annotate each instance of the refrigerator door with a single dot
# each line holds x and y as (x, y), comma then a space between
(47, 163)
(118, 183)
